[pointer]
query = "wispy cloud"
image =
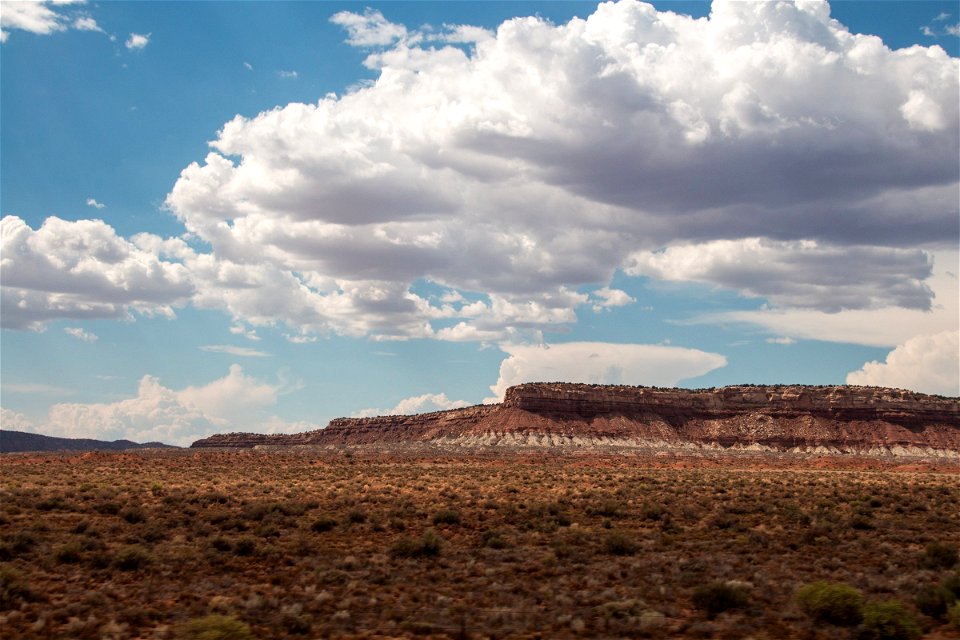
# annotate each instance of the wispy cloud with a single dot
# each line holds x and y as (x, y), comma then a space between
(287, 75)
(786, 340)
(91, 202)
(243, 352)
(80, 334)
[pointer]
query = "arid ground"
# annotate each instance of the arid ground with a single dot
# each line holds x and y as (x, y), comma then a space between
(349, 545)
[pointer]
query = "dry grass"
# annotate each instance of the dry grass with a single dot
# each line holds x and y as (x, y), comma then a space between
(331, 545)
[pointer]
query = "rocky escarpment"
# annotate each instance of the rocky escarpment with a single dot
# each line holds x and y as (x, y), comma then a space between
(841, 419)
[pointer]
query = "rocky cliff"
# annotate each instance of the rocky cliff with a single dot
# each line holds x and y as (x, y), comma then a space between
(840, 419)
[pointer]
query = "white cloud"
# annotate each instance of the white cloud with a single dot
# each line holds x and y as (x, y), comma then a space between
(79, 270)
(13, 421)
(416, 404)
(91, 202)
(248, 66)
(602, 363)
(33, 387)
(236, 402)
(632, 130)
(925, 363)
(137, 41)
(798, 274)
(86, 23)
(879, 327)
(606, 298)
(80, 334)
(287, 75)
(240, 330)
(34, 17)
(245, 352)
(370, 29)
(786, 341)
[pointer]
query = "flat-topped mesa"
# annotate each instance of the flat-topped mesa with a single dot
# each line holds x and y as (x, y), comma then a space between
(841, 419)
(840, 402)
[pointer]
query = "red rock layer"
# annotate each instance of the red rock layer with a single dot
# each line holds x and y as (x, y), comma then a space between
(842, 418)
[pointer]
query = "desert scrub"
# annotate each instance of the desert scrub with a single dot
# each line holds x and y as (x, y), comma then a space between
(323, 524)
(428, 545)
(718, 597)
(888, 621)
(619, 544)
(446, 516)
(13, 588)
(940, 555)
(833, 603)
(132, 558)
(215, 628)
(934, 601)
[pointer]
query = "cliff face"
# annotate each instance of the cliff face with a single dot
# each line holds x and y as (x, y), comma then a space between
(780, 418)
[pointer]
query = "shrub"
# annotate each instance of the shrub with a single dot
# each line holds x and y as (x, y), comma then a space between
(134, 515)
(215, 628)
(940, 555)
(357, 516)
(323, 524)
(619, 544)
(718, 597)
(12, 588)
(953, 616)
(447, 516)
(952, 584)
(888, 621)
(493, 539)
(245, 546)
(833, 603)
(132, 558)
(68, 553)
(934, 601)
(427, 546)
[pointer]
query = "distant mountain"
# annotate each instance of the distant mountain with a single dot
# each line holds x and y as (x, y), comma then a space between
(17, 441)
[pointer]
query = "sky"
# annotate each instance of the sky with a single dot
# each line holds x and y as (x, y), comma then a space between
(251, 216)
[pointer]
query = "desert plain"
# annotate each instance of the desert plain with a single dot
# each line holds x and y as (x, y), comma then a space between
(545, 543)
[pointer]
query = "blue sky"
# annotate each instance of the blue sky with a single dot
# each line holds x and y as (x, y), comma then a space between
(223, 216)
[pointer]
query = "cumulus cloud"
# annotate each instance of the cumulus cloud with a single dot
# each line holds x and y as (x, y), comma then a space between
(606, 298)
(416, 404)
(78, 270)
(245, 352)
(80, 334)
(236, 402)
(602, 363)
(530, 167)
(549, 156)
(13, 421)
(798, 274)
(369, 29)
(137, 41)
(925, 363)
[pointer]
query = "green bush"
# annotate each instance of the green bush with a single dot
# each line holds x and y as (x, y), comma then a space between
(888, 621)
(718, 597)
(940, 555)
(833, 603)
(953, 616)
(215, 628)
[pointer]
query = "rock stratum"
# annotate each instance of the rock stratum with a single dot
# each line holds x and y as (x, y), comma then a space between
(794, 418)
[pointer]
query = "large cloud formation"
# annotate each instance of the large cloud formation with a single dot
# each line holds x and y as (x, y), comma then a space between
(764, 148)
(925, 363)
(158, 413)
